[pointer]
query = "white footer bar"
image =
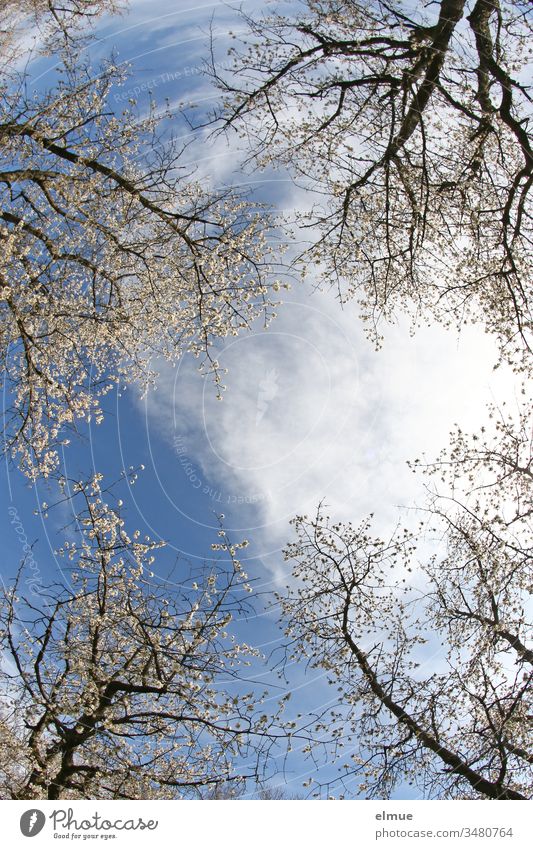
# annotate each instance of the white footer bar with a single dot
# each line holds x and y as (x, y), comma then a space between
(264, 825)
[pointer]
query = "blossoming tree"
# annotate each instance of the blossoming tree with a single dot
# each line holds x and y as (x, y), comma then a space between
(412, 126)
(118, 685)
(452, 718)
(112, 252)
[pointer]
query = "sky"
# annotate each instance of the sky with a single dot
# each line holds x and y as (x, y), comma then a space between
(311, 411)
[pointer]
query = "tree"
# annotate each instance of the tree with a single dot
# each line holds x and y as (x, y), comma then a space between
(412, 125)
(57, 23)
(117, 686)
(453, 718)
(113, 254)
(493, 469)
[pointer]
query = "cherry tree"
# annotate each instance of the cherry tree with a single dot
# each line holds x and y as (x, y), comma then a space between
(430, 654)
(114, 254)
(412, 126)
(491, 471)
(116, 684)
(55, 23)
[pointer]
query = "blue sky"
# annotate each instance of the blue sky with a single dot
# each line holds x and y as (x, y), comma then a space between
(311, 412)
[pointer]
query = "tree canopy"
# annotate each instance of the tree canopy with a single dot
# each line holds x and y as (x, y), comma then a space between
(452, 718)
(113, 254)
(411, 124)
(116, 684)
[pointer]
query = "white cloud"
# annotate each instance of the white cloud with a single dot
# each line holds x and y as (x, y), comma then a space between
(312, 412)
